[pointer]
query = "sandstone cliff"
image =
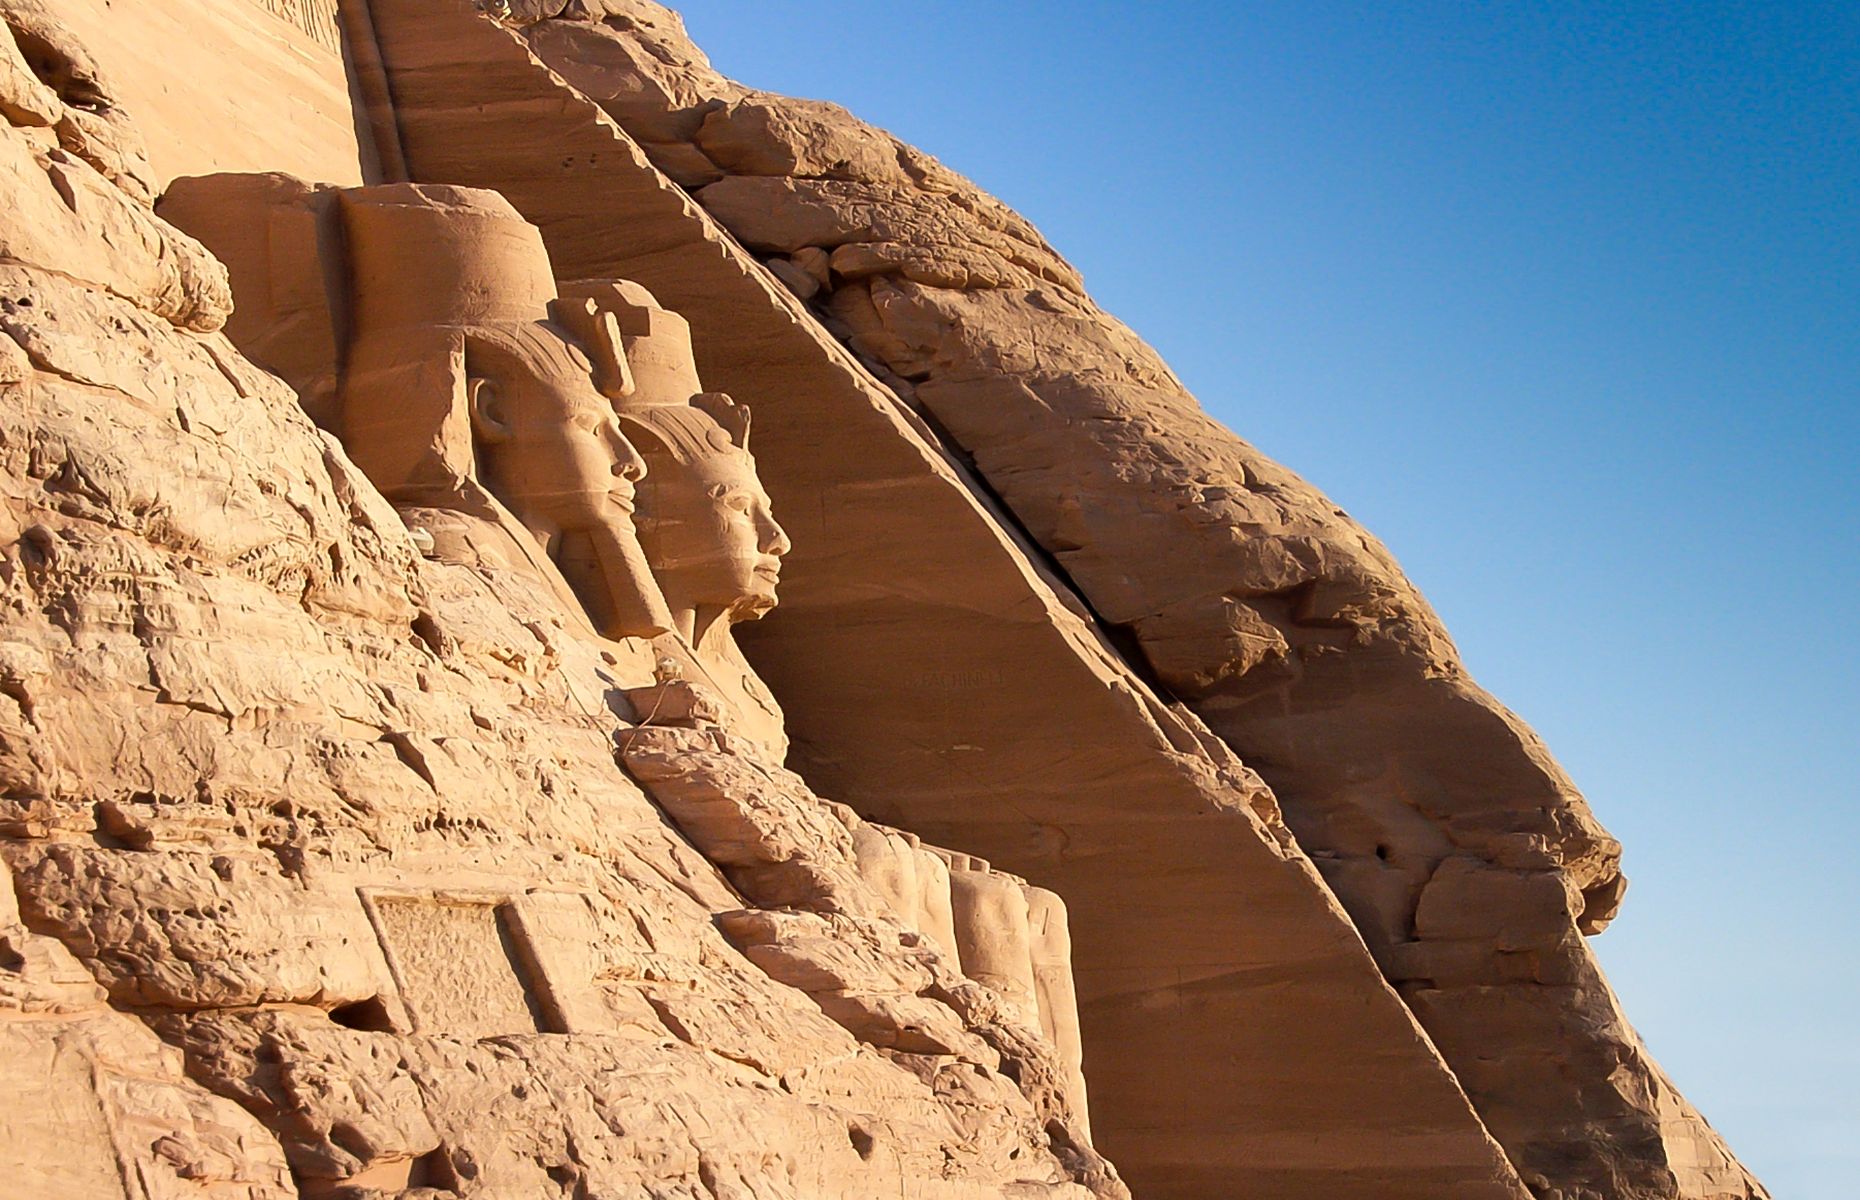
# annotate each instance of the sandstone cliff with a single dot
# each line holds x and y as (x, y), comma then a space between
(358, 845)
(346, 827)
(1471, 865)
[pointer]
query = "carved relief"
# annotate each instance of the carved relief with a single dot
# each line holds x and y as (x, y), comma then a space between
(459, 962)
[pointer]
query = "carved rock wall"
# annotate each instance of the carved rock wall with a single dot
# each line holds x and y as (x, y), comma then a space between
(946, 683)
(346, 829)
(329, 868)
(224, 85)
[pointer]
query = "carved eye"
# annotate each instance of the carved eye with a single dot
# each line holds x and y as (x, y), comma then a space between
(737, 501)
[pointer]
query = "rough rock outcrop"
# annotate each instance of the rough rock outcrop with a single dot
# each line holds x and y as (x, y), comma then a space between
(345, 826)
(1468, 860)
(949, 684)
(96, 1106)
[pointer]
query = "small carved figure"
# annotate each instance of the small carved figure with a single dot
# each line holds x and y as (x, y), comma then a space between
(993, 935)
(1052, 978)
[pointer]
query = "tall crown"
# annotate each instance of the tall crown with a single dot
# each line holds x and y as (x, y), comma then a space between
(422, 255)
(657, 341)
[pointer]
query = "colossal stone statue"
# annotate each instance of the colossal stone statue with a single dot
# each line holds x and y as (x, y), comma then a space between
(704, 519)
(704, 516)
(514, 422)
(464, 369)
(421, 324)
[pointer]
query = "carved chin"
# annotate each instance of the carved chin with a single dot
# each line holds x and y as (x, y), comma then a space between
(754, 604)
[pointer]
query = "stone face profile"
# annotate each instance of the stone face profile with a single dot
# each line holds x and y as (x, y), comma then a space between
(463, 367)
(388, 810)
(422, 325)
(704, 517)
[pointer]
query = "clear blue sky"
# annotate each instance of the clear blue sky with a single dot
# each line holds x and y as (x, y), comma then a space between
(1562, 300)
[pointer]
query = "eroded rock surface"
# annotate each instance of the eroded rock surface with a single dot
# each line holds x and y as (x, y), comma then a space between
(386, 809)
(346, 827)
(1286, 626)
(947, 682)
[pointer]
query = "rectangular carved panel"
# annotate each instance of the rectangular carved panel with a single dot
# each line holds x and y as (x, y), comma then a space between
(459, 964)
(48, 1095)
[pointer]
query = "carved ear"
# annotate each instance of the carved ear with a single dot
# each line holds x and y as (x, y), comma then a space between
(488, 418)
(726, 412)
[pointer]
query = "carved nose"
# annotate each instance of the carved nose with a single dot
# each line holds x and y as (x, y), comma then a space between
(775, 539)
(627, 462)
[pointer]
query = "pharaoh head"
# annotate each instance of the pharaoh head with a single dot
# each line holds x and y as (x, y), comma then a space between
(465, 368)
(704, 519)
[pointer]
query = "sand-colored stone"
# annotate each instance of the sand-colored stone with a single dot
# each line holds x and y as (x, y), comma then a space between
(344, 825)
(225, 85)
(950, 685)
(97, 1108)
(388, 810)
(1285, 625)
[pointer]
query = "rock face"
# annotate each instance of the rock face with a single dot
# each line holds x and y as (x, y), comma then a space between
(346, 828)
(946, 683)
(387, 808)
(203, 78)
(1469, 862)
